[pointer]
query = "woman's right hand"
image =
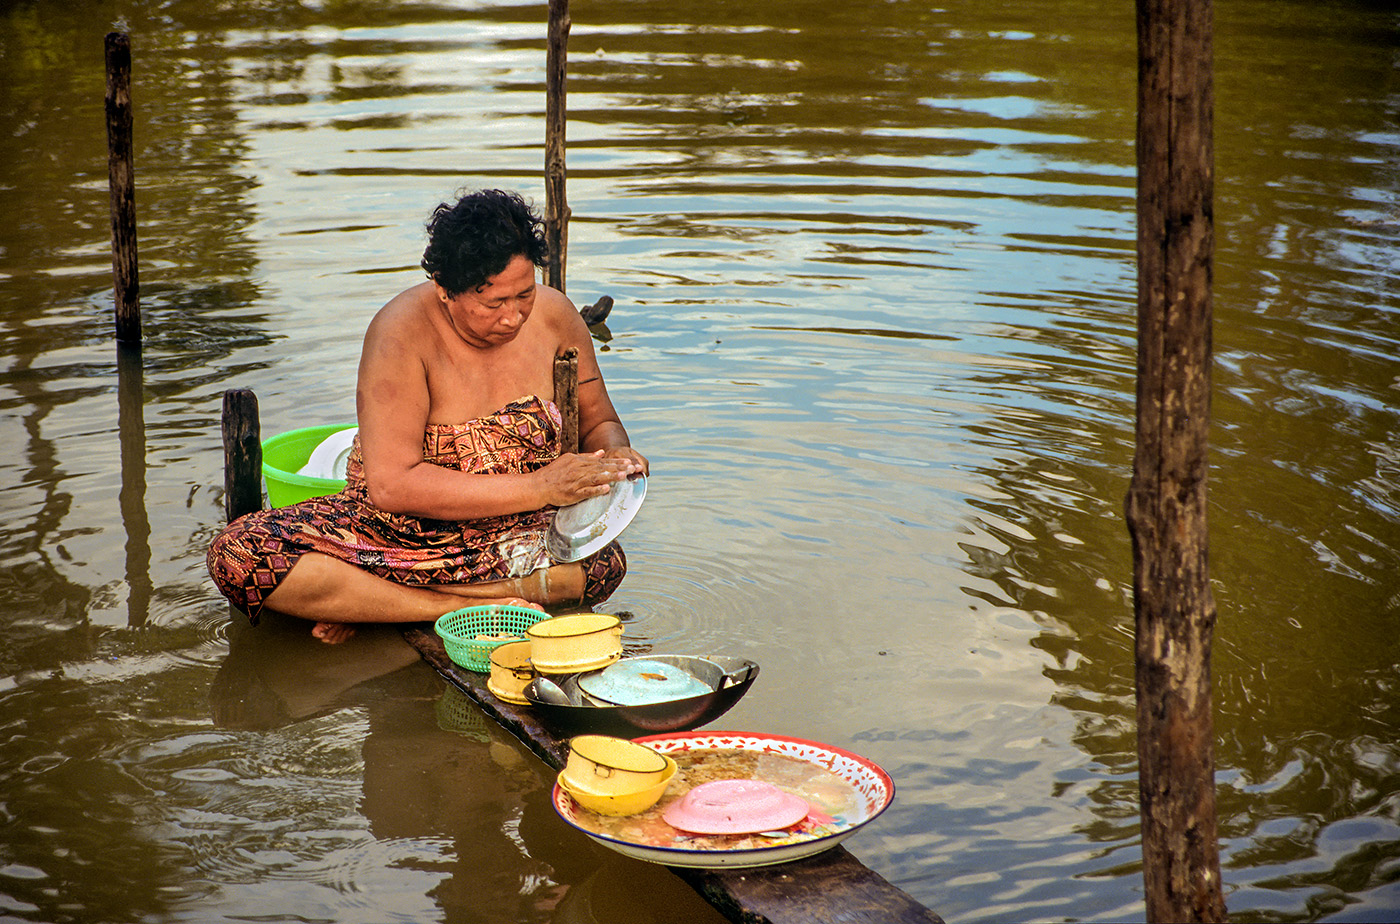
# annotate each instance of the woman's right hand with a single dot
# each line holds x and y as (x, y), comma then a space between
(574, 477)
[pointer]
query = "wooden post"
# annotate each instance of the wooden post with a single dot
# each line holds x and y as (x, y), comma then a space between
(242, 453)
(1166, 502)
(556, 207)
(122, 181)
(566, 396)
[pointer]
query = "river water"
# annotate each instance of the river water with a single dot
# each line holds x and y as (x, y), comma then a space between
(875, 288)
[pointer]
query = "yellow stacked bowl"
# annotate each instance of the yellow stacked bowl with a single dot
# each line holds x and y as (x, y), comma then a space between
(614, 776)
(574, 643)
(511, 672)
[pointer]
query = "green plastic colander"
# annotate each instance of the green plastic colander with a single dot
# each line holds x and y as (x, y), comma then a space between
(462, 632)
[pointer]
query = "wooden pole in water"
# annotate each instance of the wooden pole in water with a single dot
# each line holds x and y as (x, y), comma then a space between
(1166, 502)
(242, 453)
(566, 396)
(122, 181)
(556, 207)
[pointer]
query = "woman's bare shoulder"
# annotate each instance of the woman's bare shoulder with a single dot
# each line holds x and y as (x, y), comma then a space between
(556, 308)
(551, 299)
(403, 315)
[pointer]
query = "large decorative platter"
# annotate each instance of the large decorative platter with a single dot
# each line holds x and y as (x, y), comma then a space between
(873, 793)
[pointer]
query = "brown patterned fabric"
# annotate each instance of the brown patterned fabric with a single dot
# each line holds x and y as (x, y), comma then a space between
(254, 553)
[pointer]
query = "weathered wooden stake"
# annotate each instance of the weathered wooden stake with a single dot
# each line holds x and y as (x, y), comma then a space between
(121, 179)
(242, 453)
(556, 207)
(566, 395)
(1166, 502)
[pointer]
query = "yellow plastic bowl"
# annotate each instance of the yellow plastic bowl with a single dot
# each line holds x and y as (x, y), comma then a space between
(609, 766)
(511, 671)
(627, 803)
(580, 642)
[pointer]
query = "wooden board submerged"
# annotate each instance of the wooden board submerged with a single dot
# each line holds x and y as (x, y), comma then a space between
(831, 886)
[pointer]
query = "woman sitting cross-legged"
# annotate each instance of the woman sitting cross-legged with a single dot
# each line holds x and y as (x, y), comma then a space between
(457, 467)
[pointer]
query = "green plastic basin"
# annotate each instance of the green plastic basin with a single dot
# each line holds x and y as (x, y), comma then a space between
(286, 452)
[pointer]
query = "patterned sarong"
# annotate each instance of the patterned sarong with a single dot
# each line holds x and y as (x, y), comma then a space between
(254, 553)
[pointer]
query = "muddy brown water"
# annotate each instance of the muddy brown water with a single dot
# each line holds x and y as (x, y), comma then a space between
(873, 266)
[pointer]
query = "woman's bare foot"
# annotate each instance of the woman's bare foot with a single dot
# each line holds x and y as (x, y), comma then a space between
(518, 601)
(332, 633)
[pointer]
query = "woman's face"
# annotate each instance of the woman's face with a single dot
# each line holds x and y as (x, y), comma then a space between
(493, 313)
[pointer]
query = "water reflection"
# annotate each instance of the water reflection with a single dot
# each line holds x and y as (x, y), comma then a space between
(131, 427)
(456, 807)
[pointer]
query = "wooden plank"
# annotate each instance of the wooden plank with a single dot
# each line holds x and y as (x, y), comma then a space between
(1166, 503)
(829, 887)
(832, 886)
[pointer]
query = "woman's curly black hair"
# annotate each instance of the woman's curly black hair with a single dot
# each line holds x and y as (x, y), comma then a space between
(474, 238)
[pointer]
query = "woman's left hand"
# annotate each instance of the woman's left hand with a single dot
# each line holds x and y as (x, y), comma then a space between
(627, 452)
(576, 476)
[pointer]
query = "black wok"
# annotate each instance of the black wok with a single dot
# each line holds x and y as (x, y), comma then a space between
(728, 677)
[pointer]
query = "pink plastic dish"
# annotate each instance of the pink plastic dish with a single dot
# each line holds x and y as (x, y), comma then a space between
(735, 807)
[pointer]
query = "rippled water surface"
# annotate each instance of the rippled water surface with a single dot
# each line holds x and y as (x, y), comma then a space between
(875, 290)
